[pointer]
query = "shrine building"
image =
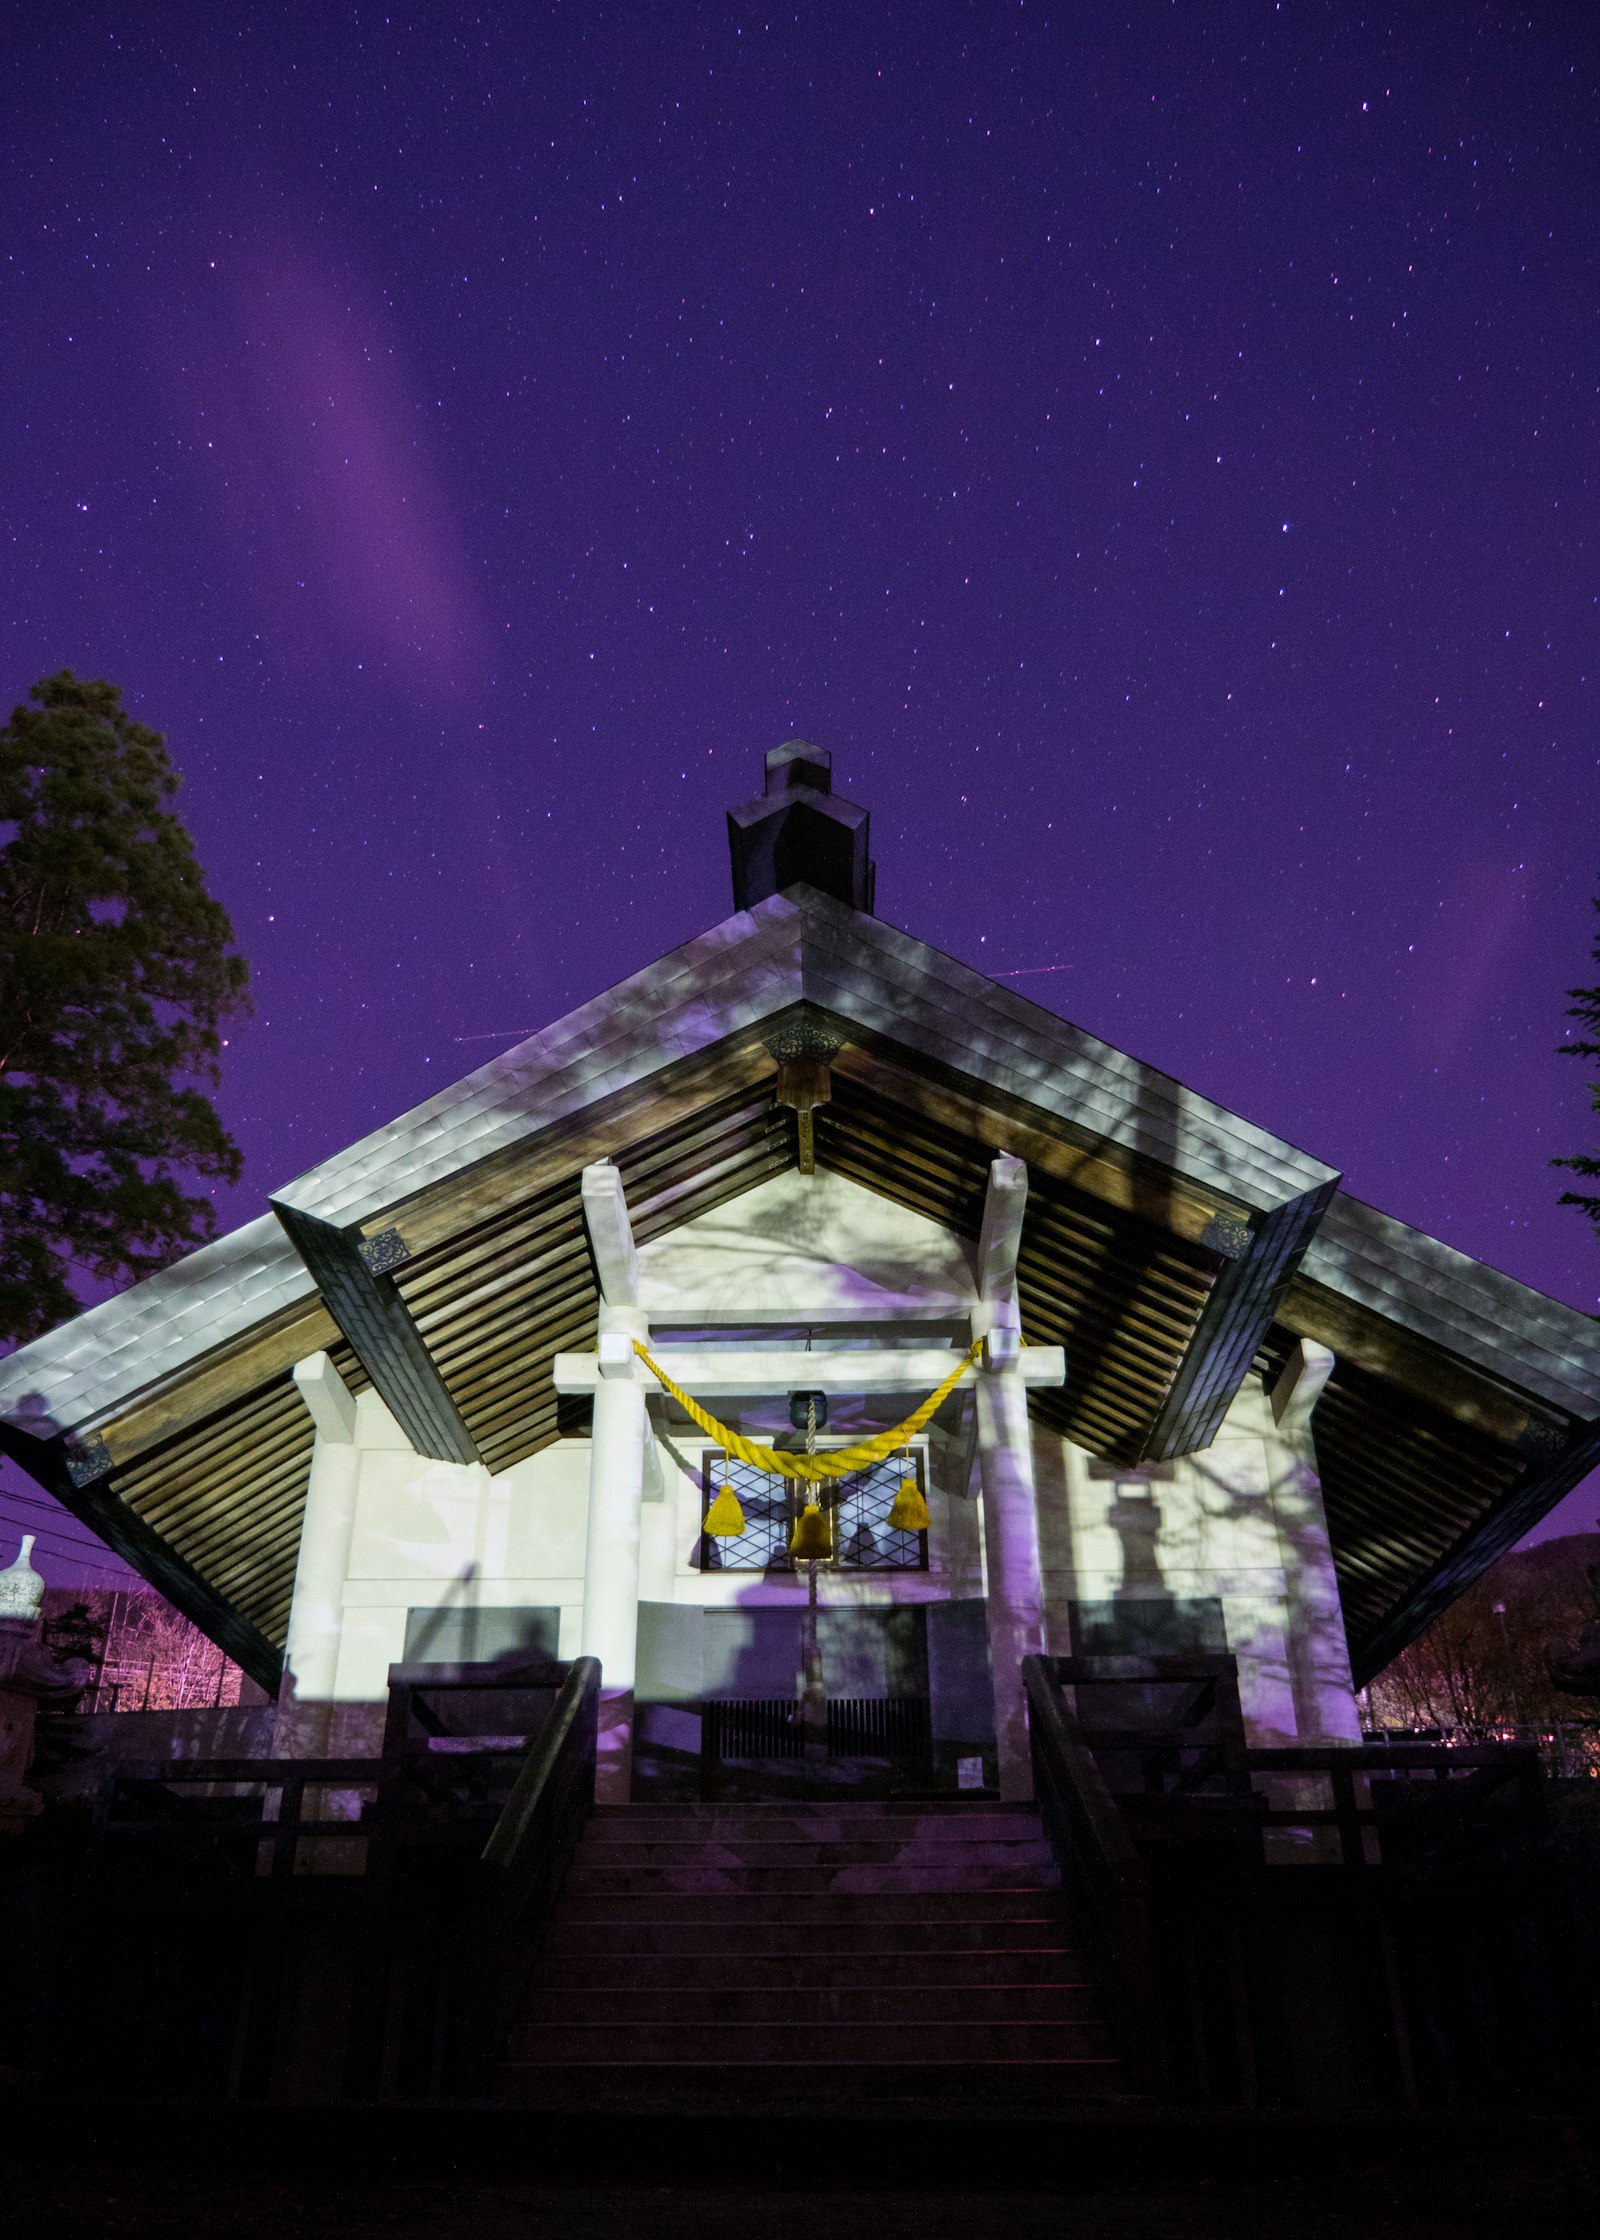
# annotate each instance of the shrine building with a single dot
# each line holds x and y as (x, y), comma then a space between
(808, 1174)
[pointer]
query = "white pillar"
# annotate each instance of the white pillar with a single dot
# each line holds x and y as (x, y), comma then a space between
(1011, 1556)
(1005, 1464)
(611, 1555)
(1325, 1703)
(316, 1615)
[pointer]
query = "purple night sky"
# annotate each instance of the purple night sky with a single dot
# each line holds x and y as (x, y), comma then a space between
(1150, 445)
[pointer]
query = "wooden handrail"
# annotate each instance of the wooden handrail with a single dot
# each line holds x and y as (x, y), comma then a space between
(576, 1705)
(1103, 1869)
(1116, 1852)
(520, 1871)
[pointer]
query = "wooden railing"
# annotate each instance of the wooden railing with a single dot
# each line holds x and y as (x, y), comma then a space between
(1107, 1882)
(1376, 1925)
(350, 1926)
(521, 1870)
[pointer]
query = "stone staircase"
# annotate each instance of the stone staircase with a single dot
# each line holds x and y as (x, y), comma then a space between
(849, 1952)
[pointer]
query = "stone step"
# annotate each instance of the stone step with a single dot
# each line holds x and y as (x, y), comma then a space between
(752, 1851)
(844, 1808)
(829, 2086)
(721, 1824)
(692, 1967)
(902, 1883)
(631, 1928)
(799, 1908)
(848, 2043)
(788, 2007)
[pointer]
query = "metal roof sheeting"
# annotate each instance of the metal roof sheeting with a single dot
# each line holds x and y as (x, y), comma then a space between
(745, 971)
(103, 1358)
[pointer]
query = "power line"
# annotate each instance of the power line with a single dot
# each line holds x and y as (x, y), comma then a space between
(78, 1552)
(59, 1533)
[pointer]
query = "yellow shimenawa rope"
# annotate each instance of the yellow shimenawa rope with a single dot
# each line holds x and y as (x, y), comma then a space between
(838, 1462)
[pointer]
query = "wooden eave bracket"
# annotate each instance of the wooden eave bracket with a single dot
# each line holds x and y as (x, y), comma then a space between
(364, 1302)
(1257, 1263)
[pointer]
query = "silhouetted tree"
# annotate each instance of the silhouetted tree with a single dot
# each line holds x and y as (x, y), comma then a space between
(116, 968)
(1483, 1663)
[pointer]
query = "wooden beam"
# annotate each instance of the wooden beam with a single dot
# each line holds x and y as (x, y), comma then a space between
(204, 1388)
(97, 1505)
(998, 1318)
(1001, 1235)
(605, 1216)
(1419, 1369)
(373, 1317)
(602, 1130)
(1260, 1259)
(328, 1400)
(726, 1372)
(1297, 1387)
(999, 1123)
(1483, 1543)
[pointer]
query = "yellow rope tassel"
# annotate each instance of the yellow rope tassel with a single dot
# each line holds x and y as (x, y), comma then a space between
(838, 1462)
(812, 1538)
(909, 1512)
(725, 1519)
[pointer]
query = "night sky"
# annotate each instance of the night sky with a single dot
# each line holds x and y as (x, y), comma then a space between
(1151, 445)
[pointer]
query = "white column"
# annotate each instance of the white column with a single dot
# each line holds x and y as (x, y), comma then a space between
(1005, 1464)
(1325, 1703)
(316, 1615)
(1011, 1557)
(611, 1554)
(617, 1450)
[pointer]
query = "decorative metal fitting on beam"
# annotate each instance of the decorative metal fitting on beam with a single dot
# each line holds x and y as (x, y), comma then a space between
(384, 1251)
(1226, 1234)
(87, 1459)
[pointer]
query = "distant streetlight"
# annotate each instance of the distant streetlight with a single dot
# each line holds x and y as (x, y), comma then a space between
(1511, 1670)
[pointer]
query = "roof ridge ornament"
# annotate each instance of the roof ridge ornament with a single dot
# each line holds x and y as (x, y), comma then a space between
(798, 831)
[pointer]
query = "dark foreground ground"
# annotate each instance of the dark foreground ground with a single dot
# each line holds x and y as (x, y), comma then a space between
(1235, 2182)
(1376, 2206)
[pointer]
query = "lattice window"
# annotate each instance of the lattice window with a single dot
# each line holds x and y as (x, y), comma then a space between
(863, 1538)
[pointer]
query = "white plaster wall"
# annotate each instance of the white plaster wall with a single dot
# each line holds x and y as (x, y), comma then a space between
(432, 1535)
(1242, 1522)
(436, 1534)
(806, 1248)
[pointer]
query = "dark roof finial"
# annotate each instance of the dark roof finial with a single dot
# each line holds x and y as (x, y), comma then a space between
(799, 832)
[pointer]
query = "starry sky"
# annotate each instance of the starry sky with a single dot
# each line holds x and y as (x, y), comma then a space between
(1152, 445)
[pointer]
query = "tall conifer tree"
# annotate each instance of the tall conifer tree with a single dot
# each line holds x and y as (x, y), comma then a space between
(116, 970)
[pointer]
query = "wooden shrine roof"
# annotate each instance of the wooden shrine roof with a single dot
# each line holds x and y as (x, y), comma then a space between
(1169, 1245)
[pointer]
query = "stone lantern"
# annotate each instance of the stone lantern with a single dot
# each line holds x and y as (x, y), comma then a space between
(29, 1676)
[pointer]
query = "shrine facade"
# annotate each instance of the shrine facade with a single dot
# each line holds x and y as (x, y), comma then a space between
(809, 1172)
